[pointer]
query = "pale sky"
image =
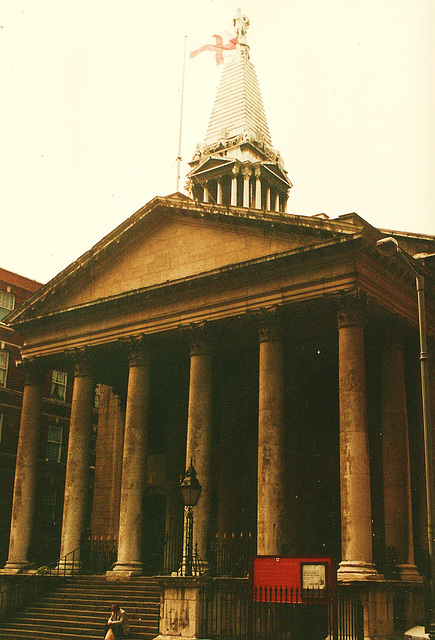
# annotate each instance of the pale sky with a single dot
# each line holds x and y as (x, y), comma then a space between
(90, 111)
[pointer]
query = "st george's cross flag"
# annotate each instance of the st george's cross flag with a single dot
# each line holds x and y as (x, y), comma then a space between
(223, 43)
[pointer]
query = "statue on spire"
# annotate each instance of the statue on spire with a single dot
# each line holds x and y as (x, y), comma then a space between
(241, 26)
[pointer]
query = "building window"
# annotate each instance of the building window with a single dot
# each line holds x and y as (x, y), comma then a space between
(4, 361)
(58, 385)
(54, 443)
(7, 303)
(97, 396)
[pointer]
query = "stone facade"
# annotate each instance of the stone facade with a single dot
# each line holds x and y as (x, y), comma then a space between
(278, 353)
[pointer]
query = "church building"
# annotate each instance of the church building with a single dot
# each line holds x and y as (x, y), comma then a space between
(277, 353)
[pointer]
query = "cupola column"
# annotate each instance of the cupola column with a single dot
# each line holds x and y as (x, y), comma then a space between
(356, 520)
(246, 186)
(234, 187)
(23, 506)
(129, 560)
(270, 482)
(75, 506)
(219, 192)
(277, 203)
(206, 193)
(268, 199)
(396, 462)
(199, 431)
(258, 188)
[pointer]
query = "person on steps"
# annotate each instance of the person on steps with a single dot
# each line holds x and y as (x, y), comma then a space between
(117, 625)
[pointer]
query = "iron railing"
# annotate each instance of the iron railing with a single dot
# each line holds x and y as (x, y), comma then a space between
(173, 553)
(231, 554)
(99, 554)
(233, 610)
(28, 588)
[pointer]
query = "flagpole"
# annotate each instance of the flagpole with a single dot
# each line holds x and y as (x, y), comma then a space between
(181, 117)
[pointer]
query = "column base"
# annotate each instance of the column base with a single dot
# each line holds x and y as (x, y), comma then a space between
(125, 570)
(16, 567)
(357, 570)
(409, 573)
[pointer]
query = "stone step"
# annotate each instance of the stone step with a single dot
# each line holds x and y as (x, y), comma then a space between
(92, 608)
(79, 608)
(78, 598)
(29, 634)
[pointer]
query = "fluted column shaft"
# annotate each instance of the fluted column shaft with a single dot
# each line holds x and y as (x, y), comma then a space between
(246, 187)
(257, 189)
(277, 203)
(270, 484)
(396, 462)
(268, 199)
(76, 497)
(219, 192)
(199, 434)
(356, 529)
(234, 189)
(23, 506)
(129, 560)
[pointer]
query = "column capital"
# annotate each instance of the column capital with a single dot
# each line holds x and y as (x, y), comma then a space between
(235, 170)
(351, 309)
(247, 171)
(269, 324)
(83, 362)
(198, 336)
(33, 370)
(138, 351)
(257, 172)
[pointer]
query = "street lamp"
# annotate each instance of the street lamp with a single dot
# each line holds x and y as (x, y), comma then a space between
(389, 246)
(190, 490)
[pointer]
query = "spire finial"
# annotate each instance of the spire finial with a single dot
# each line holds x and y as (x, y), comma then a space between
(241, 26)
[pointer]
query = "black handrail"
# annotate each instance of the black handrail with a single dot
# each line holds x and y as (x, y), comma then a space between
(18, 595)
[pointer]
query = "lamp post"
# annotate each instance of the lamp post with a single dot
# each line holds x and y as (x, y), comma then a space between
(389, 246)
(190, 490)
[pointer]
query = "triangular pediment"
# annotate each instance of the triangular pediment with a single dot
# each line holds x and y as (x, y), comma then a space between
(170, 240)
(211, 165)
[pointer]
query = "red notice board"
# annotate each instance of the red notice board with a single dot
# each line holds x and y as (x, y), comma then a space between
(299, 576)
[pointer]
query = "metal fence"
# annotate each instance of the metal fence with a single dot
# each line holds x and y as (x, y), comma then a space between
(27, 589)
(98, 555)
(232, 610)
(231, 554)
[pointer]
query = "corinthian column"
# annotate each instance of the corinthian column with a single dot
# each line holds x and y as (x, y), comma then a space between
(75, 506)
(219, 191)
(270, 487)
(234, 186)
(246, 186)
(129, 560)
(396, 463)
(356, 525)
(199, 432)
(23, 506)
(257, 188)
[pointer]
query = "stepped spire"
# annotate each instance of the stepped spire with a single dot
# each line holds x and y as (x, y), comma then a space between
(236, 164)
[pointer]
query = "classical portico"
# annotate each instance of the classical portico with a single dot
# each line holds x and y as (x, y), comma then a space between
(238, 373)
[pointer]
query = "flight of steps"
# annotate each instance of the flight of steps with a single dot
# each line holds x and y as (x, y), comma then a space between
(80, 607)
